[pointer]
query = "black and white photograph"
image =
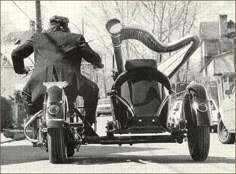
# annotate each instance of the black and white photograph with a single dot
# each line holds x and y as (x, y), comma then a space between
(117, 86)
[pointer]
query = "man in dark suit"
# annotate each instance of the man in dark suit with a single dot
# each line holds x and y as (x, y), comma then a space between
(58, 54)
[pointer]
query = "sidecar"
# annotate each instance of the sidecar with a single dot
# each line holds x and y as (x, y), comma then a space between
(144, 106)
(141, 100)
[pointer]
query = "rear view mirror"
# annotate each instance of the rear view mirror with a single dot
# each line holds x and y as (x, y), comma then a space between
(228, 92)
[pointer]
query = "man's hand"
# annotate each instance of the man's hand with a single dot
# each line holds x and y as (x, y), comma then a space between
(100, 65)
(26, 70)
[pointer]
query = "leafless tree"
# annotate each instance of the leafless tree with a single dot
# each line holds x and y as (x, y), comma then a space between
(126, 12)
(170, 19)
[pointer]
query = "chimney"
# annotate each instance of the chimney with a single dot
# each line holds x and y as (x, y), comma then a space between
(32, 26)
(223, 25)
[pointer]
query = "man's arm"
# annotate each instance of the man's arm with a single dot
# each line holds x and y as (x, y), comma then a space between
(18, 55)
(88, 54)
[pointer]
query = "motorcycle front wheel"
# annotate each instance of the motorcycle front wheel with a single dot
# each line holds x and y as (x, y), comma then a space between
(56, 145)
(199, 142)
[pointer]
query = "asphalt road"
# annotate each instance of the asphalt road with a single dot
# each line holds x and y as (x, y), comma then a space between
(21, 157)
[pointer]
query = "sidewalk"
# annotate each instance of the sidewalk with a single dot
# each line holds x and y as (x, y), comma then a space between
(8, 135)
(5, 139)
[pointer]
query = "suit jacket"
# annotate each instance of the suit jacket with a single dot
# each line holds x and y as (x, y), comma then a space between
(57, 58)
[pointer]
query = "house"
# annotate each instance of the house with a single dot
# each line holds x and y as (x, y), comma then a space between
(10, 81)
(217, 57)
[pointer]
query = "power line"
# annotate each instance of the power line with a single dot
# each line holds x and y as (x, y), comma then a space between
(75, 26)
(26, 7)
(22, 11)
(25, 13)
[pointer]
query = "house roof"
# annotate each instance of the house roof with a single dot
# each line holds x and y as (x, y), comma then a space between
(230, 24)
(13, 37)
(226, 44)
(11, 41)
(223, 63)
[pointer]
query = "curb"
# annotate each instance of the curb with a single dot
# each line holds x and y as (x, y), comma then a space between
(15, 134)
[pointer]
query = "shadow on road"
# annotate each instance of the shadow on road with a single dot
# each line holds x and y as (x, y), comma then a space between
(142, 159)
(23, 154)
(90, 155)
(111, 154)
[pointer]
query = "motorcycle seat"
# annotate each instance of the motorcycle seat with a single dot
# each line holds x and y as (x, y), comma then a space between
(140, 63)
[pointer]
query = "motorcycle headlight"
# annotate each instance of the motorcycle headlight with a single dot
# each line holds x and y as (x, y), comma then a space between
(53, 109)
(202, 107)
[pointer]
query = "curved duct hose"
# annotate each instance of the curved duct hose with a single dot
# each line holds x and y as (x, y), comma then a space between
(33, 118)
(120, 33)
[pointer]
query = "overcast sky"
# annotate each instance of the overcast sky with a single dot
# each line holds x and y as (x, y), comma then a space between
(14, 20)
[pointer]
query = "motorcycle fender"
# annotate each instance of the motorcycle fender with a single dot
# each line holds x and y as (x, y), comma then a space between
(55, 123)
(196, 106)
(54, 107)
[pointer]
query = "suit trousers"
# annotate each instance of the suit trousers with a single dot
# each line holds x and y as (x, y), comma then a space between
(88, 90)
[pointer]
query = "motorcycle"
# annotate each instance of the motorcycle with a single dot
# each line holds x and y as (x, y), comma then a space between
(141, 99)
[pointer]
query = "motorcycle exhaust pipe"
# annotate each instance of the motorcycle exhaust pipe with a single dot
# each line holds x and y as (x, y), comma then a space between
(33, 118)
(114, 27)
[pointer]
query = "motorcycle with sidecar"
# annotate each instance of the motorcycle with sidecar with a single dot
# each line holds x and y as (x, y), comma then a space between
(141, 99)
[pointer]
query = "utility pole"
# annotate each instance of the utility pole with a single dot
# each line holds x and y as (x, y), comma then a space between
(83, 26)
(104, 77)
(38, 16)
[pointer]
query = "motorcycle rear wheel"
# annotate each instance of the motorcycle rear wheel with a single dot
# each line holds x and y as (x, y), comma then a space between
(199, 142)
(56, 145)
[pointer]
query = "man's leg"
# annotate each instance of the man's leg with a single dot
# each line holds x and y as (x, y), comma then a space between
(32, 108)
(89, 91)
(71, 92)
(28, 105)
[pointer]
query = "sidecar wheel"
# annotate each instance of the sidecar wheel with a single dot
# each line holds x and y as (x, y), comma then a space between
(56, 145)
(199, 142)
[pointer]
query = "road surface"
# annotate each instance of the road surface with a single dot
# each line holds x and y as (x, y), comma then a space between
(21, 157)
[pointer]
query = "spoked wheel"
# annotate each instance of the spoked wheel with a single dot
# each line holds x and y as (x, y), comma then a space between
(223, 134)
(56, 145)
(199, 142)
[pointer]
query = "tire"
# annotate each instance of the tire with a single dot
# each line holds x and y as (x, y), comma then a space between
(56, 145)
(224, 136)
(199, 142)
